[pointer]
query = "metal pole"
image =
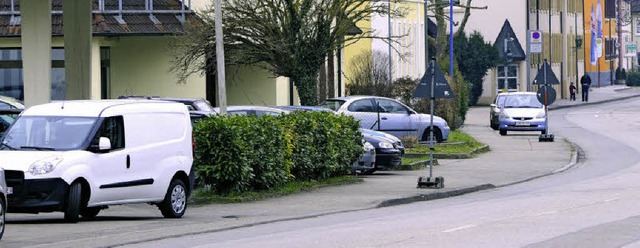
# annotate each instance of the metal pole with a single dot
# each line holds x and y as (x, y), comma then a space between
(450, 39)
(432, 104)
(389, 40)
(222, 94)
(576, 49)
(426, 35)
(546, 119)
(527, 56)
(619, 31)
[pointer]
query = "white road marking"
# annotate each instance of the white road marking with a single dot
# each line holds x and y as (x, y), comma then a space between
(458, 228)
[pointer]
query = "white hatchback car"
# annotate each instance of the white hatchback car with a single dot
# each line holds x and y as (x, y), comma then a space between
(390, 116)
(79, 157)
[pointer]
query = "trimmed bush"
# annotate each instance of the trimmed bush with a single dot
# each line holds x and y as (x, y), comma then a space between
(633, 79)
(241, 153)
(324, 144)
(236, 154)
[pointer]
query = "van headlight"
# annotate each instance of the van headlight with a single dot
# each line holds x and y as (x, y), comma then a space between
(368, 146)
(44, 166)
(385, 145)
(540, 115)
(504, 115)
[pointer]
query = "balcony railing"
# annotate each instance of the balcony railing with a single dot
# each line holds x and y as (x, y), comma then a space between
(118, 8)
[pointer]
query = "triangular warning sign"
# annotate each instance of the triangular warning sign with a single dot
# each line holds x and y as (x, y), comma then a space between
(442, 88)
(550, 76)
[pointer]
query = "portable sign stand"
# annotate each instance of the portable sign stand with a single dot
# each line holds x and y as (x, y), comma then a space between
(433, 85)
(546, 95)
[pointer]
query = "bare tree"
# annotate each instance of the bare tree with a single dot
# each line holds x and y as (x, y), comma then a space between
(369, 74)
(288, 38)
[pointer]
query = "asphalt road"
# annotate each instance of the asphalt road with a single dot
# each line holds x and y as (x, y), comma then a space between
(592, 205)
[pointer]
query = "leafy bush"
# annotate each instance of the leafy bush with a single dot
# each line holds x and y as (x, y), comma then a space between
(623, 74)
(236, 154)
(241, 153)
(325, 144)
(633, 79)
(618, 73)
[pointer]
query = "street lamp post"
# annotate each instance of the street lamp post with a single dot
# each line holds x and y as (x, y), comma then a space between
(577, 47)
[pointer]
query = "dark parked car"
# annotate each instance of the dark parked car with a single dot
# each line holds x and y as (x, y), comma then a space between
(388, 155)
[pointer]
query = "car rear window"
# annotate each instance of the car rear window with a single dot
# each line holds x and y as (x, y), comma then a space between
(332, 104)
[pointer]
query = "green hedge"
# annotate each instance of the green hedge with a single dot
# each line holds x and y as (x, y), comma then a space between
(633, 79)
(245, 153)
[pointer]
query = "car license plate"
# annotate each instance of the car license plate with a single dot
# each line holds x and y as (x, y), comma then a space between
(522, 123)
(9, 190)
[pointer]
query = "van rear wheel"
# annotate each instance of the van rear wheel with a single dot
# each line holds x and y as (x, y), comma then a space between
(74, 199)
(175, 201)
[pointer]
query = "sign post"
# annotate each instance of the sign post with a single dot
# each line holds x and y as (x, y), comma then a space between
(433, 85)
(546, 95)
(534, 45)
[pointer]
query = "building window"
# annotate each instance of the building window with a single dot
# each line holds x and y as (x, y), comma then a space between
(105, 72)
(507, 78)
(12, 80)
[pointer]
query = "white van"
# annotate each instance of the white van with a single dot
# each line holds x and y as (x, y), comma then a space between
(78, 157)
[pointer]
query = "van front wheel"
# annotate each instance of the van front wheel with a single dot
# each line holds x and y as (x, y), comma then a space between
(175, 201)
(74, 199)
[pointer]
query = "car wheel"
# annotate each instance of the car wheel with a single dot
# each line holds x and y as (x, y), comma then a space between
(494, 125)
(3, 208)
(90, 212)
(175, 201)
(503, 132)
(437, 134)
(74, 199)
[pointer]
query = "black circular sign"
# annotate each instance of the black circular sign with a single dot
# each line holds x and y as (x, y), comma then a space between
(546, 95)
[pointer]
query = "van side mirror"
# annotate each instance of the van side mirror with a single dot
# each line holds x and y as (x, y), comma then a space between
(104, 144)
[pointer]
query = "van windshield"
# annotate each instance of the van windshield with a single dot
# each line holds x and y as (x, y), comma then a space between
(49, 133)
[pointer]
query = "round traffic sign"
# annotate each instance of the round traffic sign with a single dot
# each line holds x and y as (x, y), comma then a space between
(546, 95)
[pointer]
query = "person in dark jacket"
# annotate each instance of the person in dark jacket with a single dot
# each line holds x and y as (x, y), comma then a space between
(586, 82)
(572, 91)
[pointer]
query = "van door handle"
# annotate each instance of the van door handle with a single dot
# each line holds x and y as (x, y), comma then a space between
(384, 118)
(128, 161)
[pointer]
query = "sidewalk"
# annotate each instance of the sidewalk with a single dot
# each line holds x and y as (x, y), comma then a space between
(598, 96)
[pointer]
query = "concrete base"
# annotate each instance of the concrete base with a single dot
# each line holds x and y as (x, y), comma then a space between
(430, 182)
(545, 138)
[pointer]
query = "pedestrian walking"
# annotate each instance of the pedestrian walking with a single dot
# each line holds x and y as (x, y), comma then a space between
(586, 82)
(572, 91)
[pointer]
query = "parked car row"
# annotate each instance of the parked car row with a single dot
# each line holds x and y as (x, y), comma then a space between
(517, 111)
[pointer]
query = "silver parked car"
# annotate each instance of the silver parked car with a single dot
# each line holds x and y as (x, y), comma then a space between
(494, 111)
(388, 115)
